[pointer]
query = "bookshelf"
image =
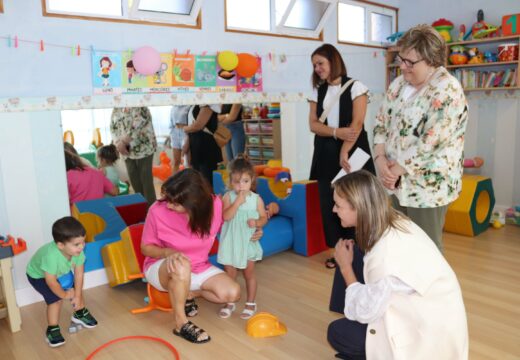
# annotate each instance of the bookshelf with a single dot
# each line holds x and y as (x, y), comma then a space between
(500, 75)
(263, 133)
(392, 68)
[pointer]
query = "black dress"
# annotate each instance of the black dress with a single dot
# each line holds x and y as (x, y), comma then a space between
(325, 166)
(205, 153)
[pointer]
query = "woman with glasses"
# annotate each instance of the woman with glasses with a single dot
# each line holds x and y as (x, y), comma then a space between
(419, 132)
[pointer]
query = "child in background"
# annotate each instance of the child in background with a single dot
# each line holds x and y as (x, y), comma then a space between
(54, 260)
(244, 212)
(106, 157)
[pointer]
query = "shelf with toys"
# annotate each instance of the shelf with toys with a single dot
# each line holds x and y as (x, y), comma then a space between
(483, 58)
(486, 64)
(263, 133)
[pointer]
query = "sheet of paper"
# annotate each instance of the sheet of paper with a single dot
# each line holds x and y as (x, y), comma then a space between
(356, 161)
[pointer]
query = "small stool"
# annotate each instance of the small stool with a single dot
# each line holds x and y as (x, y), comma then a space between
(7, 295)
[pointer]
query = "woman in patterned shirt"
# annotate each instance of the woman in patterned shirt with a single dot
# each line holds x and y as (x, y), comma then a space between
(419, 132)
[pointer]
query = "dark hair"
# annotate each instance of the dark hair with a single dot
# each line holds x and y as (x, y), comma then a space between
(241, 165)
(108, 153)
(105, 58)
(73, 161)
(69, 147)
(130, 64)
(192, 191)
(66, 229)
(337, 66)
(375, 215)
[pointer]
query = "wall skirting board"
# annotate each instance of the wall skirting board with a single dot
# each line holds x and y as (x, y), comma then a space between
(28, 295)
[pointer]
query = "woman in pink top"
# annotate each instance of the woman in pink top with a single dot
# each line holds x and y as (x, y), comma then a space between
(178, 234)
(84, 182)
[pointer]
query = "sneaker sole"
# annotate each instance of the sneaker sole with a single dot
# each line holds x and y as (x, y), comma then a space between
(53, 345)
(78, 321)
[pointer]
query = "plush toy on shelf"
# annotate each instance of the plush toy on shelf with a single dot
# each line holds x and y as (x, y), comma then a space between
(482, 29)
(490, 57)
(443, 26)
(458, 55)
(475, 56)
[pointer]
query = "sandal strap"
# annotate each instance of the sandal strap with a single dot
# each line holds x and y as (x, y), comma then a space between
(191, 332)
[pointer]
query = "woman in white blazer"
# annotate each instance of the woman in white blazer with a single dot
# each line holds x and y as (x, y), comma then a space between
(410, 306)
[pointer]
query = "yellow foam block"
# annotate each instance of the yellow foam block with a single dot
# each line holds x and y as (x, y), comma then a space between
(469, 214)
(92, 223)
(120, 260)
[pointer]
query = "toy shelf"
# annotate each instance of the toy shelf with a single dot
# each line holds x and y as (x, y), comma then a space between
(502, 75)
(263, 138)
(497, 63)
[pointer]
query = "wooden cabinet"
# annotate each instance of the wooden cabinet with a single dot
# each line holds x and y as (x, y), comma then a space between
(263, 135)
(500, 75)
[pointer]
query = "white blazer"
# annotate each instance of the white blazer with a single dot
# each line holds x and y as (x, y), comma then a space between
(428, 324)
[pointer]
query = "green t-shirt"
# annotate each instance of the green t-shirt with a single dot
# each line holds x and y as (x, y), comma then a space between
(49, 259)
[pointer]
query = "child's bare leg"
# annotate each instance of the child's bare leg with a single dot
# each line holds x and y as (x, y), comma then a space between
(251, 284)
(231, 271)
(53, 313)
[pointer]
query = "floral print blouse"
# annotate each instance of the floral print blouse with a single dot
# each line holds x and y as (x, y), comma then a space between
(135, 122)
(424, 133)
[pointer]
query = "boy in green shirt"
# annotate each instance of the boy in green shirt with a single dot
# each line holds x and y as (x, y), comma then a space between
(52, 261)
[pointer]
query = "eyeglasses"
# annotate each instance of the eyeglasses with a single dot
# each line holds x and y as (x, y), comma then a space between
(407, 62)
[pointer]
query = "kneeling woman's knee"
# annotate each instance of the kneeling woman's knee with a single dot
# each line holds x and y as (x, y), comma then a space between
(232, 293)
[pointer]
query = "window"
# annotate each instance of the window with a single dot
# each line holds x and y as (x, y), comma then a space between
(294, 18)
(183, 13)
(365, 23)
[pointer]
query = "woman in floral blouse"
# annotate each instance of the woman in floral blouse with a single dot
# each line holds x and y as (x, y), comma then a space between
(133, 134)
(419, 132)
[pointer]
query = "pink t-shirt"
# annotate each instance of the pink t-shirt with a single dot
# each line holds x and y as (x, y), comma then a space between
(166, 228)
(88, 184)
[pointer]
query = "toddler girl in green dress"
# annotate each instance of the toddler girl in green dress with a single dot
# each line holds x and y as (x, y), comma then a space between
(244, 212)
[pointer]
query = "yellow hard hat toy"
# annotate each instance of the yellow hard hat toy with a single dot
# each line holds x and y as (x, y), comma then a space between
(265, 324)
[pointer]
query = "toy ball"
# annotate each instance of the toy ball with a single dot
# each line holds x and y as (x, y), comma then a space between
(66, 281)
(147, 60)
(247, 65)
(265, 324)
(227, 60)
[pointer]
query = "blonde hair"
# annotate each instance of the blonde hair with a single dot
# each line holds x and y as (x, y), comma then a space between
(427, 42)
(367, 196)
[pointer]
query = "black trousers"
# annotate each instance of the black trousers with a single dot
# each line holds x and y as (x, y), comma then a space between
(348, 338)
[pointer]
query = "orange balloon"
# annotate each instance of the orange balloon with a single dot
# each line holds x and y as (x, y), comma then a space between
(247, 65)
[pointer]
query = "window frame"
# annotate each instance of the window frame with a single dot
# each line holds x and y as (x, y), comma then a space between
(1, 6)
(268, 33)
(282, 29)
(370, 7)
(108, 18)
(190, 19)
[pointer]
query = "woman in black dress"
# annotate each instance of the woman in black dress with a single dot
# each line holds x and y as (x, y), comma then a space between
(335, 141)
(205, 153)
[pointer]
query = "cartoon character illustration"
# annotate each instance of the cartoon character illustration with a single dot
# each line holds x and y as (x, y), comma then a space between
(160, 76)
(130, 70)
(106, 65)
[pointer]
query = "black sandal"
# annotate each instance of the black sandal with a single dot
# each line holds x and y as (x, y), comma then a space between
(330, 263)
(191, 332)
(191, 308)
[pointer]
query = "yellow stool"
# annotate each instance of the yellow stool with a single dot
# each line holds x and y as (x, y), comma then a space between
(7, 296)
(470, 213)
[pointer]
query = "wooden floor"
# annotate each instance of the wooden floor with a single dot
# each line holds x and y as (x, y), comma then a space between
(296, 289)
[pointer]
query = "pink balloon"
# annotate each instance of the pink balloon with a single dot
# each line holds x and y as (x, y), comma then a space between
(147, 60)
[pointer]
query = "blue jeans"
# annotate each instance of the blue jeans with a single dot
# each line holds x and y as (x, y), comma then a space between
(237, 144)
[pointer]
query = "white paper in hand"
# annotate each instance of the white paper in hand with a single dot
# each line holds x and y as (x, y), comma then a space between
(356, 161)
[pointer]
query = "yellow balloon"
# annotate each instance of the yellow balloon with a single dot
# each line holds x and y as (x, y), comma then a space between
(227, 60)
